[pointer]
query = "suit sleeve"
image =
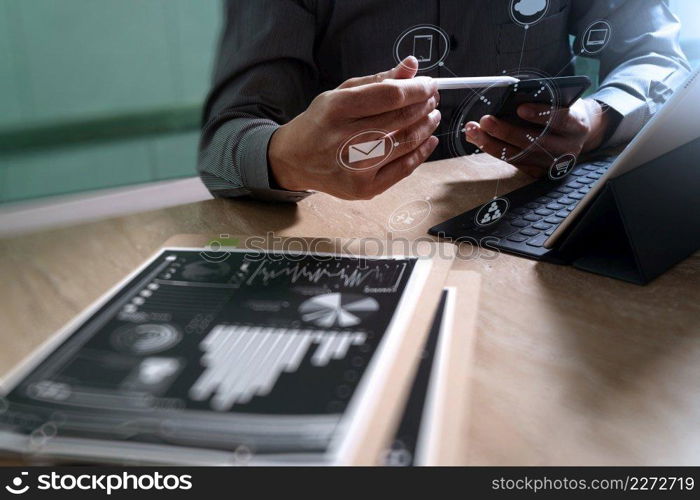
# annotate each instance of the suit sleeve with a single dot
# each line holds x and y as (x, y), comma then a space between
(264, 76)
(643, 62)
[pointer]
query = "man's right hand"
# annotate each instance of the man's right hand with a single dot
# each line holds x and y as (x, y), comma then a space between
(303, 154)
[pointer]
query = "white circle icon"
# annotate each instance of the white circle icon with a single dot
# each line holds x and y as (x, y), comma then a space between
(429, 44)
(489, 101)
(365, 150)
(492, 212)
(561, 167)
(528, 12)
(409, 215)
(596, 37)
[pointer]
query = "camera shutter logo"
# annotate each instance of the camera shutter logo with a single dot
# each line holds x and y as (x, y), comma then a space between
(16, 487)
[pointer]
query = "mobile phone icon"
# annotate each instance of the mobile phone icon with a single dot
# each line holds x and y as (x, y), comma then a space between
(423, 48)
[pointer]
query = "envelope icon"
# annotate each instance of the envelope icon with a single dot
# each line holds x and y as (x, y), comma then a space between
(367, 150)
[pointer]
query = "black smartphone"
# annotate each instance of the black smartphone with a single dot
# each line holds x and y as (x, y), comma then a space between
(561, 91)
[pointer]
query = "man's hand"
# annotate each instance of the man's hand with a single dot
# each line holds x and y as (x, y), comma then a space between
(575, 130)
(303, 153)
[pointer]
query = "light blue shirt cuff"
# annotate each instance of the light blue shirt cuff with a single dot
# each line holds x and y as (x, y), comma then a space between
(635, 113)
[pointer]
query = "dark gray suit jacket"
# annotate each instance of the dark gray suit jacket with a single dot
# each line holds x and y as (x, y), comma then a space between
(275, 56)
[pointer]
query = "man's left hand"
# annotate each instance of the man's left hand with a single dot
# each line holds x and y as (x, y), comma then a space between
(575, 130)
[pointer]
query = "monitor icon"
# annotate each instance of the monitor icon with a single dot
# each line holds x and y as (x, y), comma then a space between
(423, 48)
(597, 37)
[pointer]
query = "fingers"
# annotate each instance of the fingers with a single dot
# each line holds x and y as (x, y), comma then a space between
(377, 98)
(488, 144)
(535, 113)
(507, 132)
(402, 167)
(410, 138)
(408, 68)
(560, 120)
(365, 185)
(401, 118)
(404, 70)
(536, 165)
(521, 137)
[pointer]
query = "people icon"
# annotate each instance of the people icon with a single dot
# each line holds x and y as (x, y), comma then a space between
(492, 212)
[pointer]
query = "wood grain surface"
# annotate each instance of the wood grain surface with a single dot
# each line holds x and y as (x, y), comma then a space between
(569, 368)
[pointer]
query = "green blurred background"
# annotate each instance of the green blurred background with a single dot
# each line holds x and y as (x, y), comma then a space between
(106, 93)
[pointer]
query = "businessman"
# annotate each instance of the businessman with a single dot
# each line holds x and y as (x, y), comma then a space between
(287, 94)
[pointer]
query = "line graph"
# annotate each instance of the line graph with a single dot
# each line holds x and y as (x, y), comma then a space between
(349, 275)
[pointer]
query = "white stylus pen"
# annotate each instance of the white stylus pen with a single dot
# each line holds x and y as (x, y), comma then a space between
(477, 82)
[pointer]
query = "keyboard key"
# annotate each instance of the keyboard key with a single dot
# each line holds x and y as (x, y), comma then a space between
(502, 230)
(551, 231)
(537, 241)
(542, 226)
(586, 180)
(578, 172)
(529, 232)
(595, 176)
(532, 205)
(519, 223)
(565, 190)
(542, 200)
(591, 168)
(576, 196)
(555, 206)
(554, 195)
(575, 185)
(566, 201)
(563, 213)
(518, 238)
(544, 212)
(533, 217)
(554, 219)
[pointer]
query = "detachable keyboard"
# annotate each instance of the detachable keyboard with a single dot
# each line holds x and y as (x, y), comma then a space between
(535, 212)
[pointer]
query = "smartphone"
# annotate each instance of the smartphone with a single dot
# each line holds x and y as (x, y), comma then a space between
(567, 90)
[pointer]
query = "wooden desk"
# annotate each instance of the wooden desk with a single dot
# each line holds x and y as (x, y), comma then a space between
(570, 368)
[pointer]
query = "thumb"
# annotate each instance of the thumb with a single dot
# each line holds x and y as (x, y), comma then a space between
(408, 68)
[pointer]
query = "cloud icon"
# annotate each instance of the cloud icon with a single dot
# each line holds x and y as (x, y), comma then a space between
(530, 7)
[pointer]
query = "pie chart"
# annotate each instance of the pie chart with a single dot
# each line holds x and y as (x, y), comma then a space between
(337, 309)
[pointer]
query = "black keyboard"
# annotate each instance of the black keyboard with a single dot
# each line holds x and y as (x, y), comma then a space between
(535, 212)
